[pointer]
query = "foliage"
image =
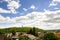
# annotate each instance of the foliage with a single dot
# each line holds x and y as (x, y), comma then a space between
(18, 29)
(23, 38)
(6, 38)
(32, 31)
(2, 31)
(14, 31)
(50, 36)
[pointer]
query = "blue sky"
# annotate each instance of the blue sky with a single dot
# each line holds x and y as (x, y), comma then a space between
(29, 13)
(39, 4)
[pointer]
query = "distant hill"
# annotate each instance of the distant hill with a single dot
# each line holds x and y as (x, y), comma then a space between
(24, 29)
(19, 29)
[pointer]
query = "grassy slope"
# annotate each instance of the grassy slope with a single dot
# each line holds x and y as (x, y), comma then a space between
(18, 29)
(24, 29)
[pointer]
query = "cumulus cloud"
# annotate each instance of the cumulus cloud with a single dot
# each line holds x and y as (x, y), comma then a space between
(25, 9)
(54, 17)
(6, 19)
(12, 6)
(4, 11)
(56, 8)
(32, 7)
(44, 20)
(54, 2)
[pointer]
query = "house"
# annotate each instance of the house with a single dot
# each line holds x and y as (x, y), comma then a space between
(1, 37)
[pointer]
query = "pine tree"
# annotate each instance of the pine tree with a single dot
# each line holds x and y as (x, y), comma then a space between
(34, 31)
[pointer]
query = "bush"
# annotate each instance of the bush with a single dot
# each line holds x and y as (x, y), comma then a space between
(23, 38)
(32, 31)
(50, 36)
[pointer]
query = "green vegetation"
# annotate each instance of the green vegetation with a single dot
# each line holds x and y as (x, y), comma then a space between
(33, 31)
(20, 29)
(14, 31)
(50, 36)
(23, 38)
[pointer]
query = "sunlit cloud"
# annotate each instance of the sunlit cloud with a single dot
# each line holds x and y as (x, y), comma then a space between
(32, 7)
(25, 9)
(54, 3)
(32, 14)
(44, 20)
(12, 6)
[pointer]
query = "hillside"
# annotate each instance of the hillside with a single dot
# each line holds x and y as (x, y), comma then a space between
(19, 29)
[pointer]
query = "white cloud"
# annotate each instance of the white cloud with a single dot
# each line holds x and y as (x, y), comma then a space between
(56, 8)
(32, 7)
(25, 9)
(4, 11)
(44, 20)
(12, 6)
(54, 2)
(1, 18)
(6, 19)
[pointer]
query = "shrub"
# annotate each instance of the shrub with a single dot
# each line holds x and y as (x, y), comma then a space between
(50, 36)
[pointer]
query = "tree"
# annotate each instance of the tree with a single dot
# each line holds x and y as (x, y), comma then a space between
(30, 31)
(34, 31)
(14, 31)
(49, 36)
(2, 32)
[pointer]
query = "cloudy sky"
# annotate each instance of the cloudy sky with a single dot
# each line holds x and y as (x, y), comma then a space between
(44, 14)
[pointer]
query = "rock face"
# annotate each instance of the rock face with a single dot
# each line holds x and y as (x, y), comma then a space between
(16, 36)
(1, 37)
(40, 35)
